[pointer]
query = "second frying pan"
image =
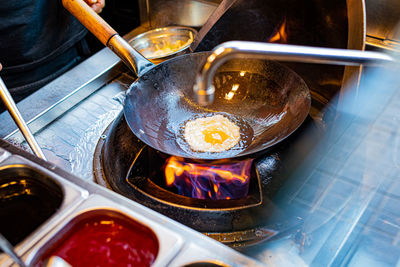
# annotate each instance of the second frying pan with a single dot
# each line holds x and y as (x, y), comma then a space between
(265, 99)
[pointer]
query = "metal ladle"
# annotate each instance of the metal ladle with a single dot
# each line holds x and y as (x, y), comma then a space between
(19, 120)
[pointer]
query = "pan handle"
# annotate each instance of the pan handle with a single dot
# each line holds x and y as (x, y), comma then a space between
(137, 63)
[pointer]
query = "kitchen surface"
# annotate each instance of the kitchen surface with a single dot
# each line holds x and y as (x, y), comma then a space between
(327, 194)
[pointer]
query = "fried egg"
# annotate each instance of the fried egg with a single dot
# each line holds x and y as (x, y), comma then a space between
(211, 134)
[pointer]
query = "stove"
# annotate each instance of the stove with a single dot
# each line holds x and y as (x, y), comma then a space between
(126, 165)
(129, 167)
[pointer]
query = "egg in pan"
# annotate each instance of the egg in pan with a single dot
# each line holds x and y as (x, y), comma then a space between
(211, 134)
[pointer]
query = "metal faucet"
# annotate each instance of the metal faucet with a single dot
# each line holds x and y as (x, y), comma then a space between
(204, 89)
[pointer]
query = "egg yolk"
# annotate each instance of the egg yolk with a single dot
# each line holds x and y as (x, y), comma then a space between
(214, 136)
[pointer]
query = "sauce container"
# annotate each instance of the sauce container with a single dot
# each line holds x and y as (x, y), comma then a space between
(99, 232)
(27, 199)
(103, 238)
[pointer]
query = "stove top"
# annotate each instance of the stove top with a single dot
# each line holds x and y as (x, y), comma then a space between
(128, 166)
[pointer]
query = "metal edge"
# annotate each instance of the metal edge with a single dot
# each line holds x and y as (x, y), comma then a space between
(4, 154)
(58, 108)
(197, 253)
(356, 14)
(97, 165)
(392, 46)
(170, 54)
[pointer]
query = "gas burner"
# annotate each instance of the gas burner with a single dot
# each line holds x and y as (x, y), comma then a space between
(146, 175)
(129, 167)
(218, 180)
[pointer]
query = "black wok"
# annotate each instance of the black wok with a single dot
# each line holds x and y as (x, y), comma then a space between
(269, 103)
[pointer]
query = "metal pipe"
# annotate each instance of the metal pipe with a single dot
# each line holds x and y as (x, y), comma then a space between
(204, 89)
(19, 120)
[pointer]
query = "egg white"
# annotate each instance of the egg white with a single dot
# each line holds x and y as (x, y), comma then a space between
(195, 137)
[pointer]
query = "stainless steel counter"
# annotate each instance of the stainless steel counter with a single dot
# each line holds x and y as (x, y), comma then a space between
(347, 191)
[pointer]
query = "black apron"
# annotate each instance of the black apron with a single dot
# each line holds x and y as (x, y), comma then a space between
(39, 40)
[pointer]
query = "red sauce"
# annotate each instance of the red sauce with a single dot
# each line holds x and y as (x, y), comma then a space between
(107, 241)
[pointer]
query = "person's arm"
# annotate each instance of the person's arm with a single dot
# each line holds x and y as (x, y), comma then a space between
(96, 5)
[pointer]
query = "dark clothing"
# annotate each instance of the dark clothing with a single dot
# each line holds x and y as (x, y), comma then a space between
(39, 40)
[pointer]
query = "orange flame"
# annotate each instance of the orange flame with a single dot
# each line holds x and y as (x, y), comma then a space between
(280, 35)
(216, 181)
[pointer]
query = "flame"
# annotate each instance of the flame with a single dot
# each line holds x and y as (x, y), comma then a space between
(280, 35)
(221, 181)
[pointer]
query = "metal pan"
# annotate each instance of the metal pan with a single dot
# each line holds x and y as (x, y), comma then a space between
(269, 103)
(159, 104)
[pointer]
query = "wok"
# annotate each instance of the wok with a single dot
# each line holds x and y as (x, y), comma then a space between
(266, 100)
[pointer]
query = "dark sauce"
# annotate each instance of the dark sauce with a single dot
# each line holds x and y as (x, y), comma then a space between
(25, 204)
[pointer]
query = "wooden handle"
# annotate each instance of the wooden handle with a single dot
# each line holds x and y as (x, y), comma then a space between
(93, 22)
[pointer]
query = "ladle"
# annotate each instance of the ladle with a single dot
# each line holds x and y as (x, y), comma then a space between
(8, 248)
(19, 120)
